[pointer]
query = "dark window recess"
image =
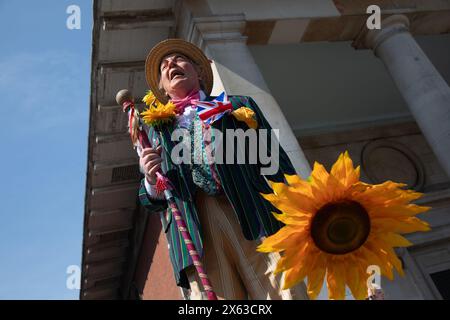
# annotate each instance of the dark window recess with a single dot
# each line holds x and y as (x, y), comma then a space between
(442, 282)
(125, 173)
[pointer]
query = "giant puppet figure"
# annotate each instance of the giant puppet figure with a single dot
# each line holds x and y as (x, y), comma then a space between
(220, 203)
(227, 220)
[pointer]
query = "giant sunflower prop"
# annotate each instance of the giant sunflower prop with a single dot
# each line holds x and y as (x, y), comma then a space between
(157, 113)
(336, 226)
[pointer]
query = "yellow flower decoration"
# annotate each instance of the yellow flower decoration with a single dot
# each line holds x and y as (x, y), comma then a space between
(149, 99)
(157, 113)
(246, 115)
(336, 226)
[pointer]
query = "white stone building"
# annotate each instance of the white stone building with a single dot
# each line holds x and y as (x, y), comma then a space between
(319, 75)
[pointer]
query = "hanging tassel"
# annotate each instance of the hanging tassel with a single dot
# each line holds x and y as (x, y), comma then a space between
(134, 125)
(133, 119)
(162, 183)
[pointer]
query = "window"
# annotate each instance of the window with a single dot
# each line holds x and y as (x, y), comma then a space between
(442, 282)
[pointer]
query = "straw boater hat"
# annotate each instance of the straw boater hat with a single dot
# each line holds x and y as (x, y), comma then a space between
(169, 46)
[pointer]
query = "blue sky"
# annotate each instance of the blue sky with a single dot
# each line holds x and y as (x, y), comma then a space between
(44, 86)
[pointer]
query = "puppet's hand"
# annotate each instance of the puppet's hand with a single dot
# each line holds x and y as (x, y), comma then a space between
(150, 161)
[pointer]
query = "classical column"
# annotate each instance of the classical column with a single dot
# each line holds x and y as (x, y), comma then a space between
(423, 88)
(222, 40)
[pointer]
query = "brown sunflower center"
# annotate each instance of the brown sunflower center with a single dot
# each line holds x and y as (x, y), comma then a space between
(340, 227)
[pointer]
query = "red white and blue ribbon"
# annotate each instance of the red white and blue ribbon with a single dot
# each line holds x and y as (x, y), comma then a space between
(211, 111)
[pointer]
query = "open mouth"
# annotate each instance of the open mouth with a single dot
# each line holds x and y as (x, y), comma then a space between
(175, 73)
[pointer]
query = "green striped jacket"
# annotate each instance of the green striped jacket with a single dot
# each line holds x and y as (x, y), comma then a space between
(242, 184)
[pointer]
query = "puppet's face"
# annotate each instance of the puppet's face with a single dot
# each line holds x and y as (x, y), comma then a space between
(179, 76)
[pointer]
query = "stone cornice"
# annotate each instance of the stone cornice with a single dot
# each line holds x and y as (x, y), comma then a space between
(199, 30)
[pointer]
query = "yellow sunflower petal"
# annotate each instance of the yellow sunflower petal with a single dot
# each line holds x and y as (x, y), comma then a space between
(325, 187)
(319, 173)
(316, 276)
(356, 191)
(300, 207)
(398, 210)
(294, 180)
(336, 189)
(388, 197)
(387, 193)
(385, 264)
(395, 261)
(294, 256)
(286, 237)
(299, 185)
(407, 196)
(399, 225)
(373, 256)
(298, 220)
(356, 277)
(291, 202)
(294, 276)
(391, 255)
(344, 171)
(395, 240)
(336, 281)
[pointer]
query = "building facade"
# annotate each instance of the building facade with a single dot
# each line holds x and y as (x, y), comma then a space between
(321, 77)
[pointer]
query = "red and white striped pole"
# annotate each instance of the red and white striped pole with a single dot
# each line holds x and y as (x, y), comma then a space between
(125, 99)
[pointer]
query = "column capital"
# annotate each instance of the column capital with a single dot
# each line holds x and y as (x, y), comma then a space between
(391, 25)
(217, 29)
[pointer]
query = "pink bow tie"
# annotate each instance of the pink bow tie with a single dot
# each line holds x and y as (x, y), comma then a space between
(181, 104)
